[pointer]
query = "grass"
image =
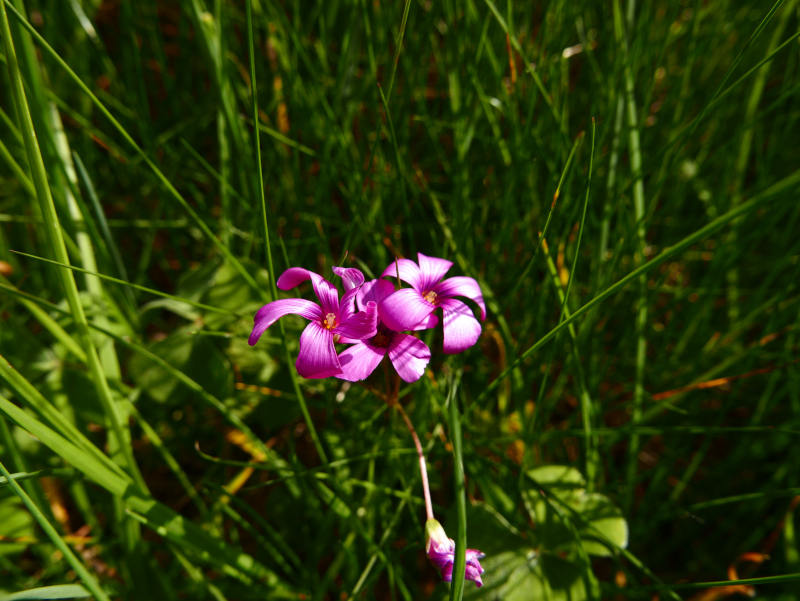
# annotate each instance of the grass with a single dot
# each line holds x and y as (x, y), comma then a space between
(622, 180)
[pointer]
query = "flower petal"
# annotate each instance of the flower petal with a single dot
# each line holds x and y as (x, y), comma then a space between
(409, 273)
(375, 291)
(461, 329)
(426, 324)
(326, 292)
(462, 286)
(360, 360)
(409, 356)
(404, 309)
(363, 324)
(317, 357)
(433, 270)
(271, 312)
(351, 277)
(474, 574)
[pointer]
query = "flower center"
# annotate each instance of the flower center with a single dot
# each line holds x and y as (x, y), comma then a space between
(380, 339)
(330, 321)
(430, 297)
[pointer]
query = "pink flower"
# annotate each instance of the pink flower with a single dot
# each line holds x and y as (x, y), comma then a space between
(409, 355)
(441, 551)
(317, 357)
(410, 306)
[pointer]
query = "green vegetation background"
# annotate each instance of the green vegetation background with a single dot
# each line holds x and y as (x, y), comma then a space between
(674, 399)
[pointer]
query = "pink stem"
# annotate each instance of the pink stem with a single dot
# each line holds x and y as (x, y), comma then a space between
(423, 468)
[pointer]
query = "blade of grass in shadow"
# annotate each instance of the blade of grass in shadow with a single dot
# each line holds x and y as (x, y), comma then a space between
(272, 280)
(400, 168)
(51, 325)
(784, 185)
(111, 244)
(529, 66)
(543, 234)
(89, 580)
(123, 132)
(171, 462)
(634, 144)
(217, 176)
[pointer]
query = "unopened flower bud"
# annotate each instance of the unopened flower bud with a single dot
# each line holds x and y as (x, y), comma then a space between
(441, 551)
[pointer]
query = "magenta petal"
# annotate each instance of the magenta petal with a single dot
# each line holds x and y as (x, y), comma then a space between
(409, 273)
(375, 291)
(447, 572)
(351, 277)
(426, 324)
(326, 292)
(474, 574)
(462, 286)
(271, 312)
(461, 329)
(360, 360)
(363, 324)
(347, 307)
(317, 357)
(409, 356)
(433, 270)
(404, 309)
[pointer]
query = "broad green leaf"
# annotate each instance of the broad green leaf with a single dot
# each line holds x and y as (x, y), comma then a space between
(61, 591)
(599, 518)
(195, 356)
(154, 379)
(515, 571)
(561, 480)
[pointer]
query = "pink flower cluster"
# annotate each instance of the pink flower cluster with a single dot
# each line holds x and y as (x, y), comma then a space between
(372, 317)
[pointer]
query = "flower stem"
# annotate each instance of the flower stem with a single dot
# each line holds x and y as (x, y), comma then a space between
(423, 467)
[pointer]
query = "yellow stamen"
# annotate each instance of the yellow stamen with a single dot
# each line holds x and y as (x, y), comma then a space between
(430, 297)
(330, 321)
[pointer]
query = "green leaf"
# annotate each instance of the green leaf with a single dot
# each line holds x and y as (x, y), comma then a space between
(154, 379)
(515, 571)
(195, 356)
(61, 591)
(600, 518)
